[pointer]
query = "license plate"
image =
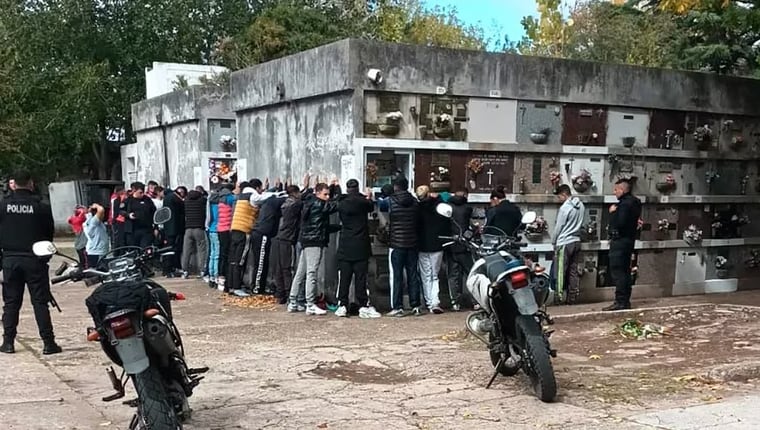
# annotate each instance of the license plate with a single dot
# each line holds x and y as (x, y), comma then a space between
(525, 300)
(132, 354)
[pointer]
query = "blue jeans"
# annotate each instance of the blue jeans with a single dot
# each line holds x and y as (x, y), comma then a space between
(404, 261)
(213, 258)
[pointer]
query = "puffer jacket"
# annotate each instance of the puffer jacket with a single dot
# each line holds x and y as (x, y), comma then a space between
(219, 212)
(315, 221)
(195, 210)
(244, 214)
(404, 213)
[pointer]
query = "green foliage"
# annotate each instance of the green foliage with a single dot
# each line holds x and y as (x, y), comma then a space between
(708, 35)
(292, 26)
(71, 69)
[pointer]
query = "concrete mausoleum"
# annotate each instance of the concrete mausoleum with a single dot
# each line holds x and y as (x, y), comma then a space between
(365, 110)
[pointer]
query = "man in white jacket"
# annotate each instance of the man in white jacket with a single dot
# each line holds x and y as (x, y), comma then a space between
(567, 245)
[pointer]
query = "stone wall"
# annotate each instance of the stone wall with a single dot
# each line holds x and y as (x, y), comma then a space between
(183, 133)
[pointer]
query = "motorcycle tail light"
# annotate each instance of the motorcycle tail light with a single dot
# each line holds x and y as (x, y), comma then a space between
(519, 279)
(122, 327)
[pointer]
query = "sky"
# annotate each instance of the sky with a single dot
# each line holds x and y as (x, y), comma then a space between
(498, 17)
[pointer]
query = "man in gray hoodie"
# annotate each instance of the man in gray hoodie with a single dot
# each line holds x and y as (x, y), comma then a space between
(567, 245)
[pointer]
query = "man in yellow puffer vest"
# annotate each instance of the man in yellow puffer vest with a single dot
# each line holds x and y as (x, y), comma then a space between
(249, 196)
(243, 217)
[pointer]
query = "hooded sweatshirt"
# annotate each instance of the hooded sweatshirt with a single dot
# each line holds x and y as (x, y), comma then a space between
(219, 211)
(569, 222)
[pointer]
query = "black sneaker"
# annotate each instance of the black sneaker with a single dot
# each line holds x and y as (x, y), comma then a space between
(7, 347)
(51, 348)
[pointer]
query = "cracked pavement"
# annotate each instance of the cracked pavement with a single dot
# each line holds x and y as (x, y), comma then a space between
(273, 370)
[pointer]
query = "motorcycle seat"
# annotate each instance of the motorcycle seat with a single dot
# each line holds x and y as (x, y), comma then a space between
(497, 264)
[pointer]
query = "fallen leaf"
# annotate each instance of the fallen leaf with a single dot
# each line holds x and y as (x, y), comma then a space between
(322, 426)
(594, 357)
(467, 415)
(105, 424)
(685, 378)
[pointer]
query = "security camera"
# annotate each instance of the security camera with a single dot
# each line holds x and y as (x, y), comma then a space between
(376, 76)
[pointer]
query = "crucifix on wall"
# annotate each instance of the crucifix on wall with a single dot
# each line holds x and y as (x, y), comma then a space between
(490, 176)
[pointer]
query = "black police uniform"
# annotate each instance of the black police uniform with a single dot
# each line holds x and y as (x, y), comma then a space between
(24, 220)
(623, 228)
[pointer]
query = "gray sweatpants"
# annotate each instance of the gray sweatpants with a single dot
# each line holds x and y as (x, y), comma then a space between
(307, 271)
(195, 243)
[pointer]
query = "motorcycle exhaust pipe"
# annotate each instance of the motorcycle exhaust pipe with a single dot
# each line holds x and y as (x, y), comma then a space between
(479, 325)
(159, 339)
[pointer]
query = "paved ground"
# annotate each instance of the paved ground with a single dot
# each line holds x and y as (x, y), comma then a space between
(271, 369)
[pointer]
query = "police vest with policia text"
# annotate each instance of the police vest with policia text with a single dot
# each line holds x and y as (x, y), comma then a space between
(15, 208)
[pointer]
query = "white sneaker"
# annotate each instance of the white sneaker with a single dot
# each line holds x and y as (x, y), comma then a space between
(369, 312)
(396, 313)
(315, 310)
(292, 307)
(456, 308)
(301, 308)
(206, 279)
(341, 312)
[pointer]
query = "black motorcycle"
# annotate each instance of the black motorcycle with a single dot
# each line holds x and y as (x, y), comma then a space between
(134, 326)
(512, 294)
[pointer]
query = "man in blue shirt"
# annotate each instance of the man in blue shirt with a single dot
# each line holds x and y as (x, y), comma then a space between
(97, 235)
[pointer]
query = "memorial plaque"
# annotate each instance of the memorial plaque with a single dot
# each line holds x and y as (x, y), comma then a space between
(497, 169)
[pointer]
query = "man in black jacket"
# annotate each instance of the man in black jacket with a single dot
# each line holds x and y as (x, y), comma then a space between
(403, 254)
(431, 227)
(458, 259)
(140, 210)
(503, 214)
(354, 250)
(283, 247)
(623, 228)
(195, 242)
(314, 237)
(265, 228)
(175, 228)
(24, 220)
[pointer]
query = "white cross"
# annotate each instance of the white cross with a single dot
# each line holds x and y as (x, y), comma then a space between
(490, 175)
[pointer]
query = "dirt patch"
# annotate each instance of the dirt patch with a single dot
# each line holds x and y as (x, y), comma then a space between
(711, 352)
(597, 364)
(360, 373)
(259, 302)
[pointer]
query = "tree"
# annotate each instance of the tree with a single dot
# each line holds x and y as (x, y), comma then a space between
(78, 65)
(621, 34)
(709, 35)
(546, 36)
(287, 27)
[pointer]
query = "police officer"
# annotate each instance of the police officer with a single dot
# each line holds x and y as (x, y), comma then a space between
(624, 220)
(24, 220)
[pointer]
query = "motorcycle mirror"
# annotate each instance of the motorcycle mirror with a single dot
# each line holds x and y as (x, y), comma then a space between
(444, 210)
(44, 248)
(162, 216)
(529, 217)
(467, 234)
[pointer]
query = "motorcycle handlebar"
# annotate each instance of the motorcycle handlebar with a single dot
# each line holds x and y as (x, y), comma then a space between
(162, 250)
(448, 238)
(59, 279)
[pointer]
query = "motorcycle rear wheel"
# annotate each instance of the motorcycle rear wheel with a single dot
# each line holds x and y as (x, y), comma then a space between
(496, 356)
(537, 361)
(154, 410)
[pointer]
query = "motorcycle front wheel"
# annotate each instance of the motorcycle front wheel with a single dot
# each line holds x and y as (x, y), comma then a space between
(536, 359)
(154, 410)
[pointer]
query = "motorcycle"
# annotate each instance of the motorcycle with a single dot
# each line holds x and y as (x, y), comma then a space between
(512, 294)
(134, 326)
